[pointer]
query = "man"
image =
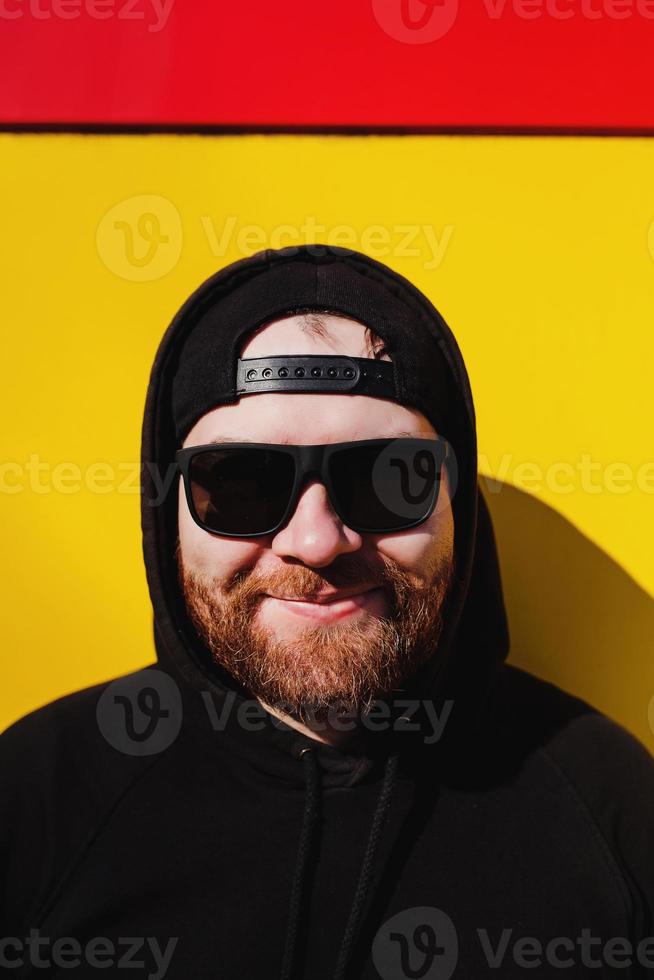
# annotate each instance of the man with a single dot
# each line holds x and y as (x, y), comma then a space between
(331, 771)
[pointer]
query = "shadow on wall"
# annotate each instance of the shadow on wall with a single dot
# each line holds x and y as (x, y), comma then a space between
(576, 618)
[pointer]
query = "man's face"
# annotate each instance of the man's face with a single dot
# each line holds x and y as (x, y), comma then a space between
(310, 657)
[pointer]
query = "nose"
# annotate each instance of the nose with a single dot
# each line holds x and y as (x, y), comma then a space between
(315, 533)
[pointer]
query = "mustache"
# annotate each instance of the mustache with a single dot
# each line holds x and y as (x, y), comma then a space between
(302, 580)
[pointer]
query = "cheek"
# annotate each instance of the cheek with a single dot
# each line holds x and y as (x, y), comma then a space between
(209, 553)
(419, 549)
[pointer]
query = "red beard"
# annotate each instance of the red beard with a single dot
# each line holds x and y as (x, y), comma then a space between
(344, 665)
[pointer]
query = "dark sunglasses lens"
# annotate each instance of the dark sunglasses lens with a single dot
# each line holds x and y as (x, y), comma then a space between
(387, 486)
(241, 491)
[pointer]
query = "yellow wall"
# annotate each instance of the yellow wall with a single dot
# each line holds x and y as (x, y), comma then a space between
(539, 252)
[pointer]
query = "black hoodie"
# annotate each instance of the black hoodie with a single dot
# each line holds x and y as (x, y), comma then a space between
(152, 824)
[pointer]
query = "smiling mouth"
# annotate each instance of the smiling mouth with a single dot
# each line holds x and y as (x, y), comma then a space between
(333, 606)
(324, 598)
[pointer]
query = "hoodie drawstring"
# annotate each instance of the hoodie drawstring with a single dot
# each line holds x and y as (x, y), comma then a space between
(305, 847)
(363, 884)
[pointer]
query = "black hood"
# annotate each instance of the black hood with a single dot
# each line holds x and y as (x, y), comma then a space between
(474, 642)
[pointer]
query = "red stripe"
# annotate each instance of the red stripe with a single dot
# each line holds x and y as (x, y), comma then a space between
(342, 63)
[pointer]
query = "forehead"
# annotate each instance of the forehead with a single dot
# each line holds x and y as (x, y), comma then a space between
(304, 417)
(324, 333)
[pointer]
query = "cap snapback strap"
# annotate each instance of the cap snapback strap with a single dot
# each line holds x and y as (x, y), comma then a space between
(317, 373)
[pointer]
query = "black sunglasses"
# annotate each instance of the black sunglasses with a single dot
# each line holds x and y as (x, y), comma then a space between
(248, 489)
